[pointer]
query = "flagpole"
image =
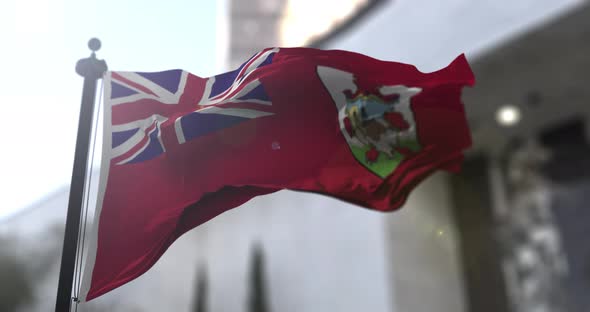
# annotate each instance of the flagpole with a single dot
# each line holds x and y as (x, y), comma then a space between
(91, 69)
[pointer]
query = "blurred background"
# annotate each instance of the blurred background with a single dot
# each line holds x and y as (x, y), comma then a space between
(509, 233)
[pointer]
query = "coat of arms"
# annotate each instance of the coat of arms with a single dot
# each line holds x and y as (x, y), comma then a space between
(376, 121)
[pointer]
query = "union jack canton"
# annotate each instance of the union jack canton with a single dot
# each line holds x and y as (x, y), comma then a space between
(142, 103)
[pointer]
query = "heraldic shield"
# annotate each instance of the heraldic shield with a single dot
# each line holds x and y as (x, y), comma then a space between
(377, 121)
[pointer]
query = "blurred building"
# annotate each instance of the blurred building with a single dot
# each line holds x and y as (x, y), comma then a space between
(529, 117)
(254, 25)
(507, 234)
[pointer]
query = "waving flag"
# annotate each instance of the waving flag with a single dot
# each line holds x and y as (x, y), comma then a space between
(181, 149)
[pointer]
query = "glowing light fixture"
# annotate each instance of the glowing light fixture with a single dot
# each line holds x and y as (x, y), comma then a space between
(508, 115)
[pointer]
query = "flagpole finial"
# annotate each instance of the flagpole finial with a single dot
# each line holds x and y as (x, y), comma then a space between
(94, 44)
(92, 67)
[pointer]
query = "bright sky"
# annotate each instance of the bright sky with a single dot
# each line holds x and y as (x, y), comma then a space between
(41, 40)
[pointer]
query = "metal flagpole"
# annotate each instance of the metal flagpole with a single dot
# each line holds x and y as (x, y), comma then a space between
(91, 69)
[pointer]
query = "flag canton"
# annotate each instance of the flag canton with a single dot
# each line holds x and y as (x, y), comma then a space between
(219, 106)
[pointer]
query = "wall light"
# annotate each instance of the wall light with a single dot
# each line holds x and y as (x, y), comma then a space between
(508, 115)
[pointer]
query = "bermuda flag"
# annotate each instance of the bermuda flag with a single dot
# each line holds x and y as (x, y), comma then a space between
(180, 149)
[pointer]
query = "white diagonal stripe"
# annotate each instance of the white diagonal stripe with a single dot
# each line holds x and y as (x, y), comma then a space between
(141, 125)
(159, 126)
(238, 112)
(162, 95)
(147, 143)
(207, 92)
(249, 70)
(179, 131)
(130, 143)
(254, 65)
(247, 88)
(261, 102)
(154, 87)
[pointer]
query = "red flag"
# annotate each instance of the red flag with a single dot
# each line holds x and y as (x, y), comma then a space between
(180, 149)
